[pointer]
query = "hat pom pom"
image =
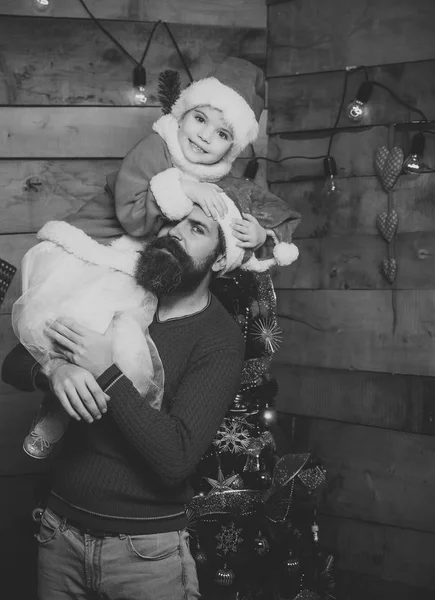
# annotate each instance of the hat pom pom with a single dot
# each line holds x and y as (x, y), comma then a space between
(285, 254)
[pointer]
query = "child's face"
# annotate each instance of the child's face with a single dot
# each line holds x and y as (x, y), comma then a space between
(203, 136)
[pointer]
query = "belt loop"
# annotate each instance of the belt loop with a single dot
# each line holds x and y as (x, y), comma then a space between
(122, 536)
(64, 525)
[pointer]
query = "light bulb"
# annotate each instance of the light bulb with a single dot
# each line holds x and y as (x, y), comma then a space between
(358, 109)
(42, 5)
(412, 163)
(330, 189)
(251, 169)
(140, 95)
(139, 83)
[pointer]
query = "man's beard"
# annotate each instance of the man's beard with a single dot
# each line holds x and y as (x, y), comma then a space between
(164, 273)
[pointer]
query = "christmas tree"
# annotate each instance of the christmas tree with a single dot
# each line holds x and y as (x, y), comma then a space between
(252, 521)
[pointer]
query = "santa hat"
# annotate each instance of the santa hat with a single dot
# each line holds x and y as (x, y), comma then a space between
(279, 222)
(236, 88)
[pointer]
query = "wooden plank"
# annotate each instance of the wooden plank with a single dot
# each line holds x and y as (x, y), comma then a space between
(353, 150)
(376, 475)
(12, 249)
(399, 402)
(35, 191)
(354, 262)
(310, 102)
(360, 200)
(390, 553)
(354, 330)
(82, 132)
(73, 132)
(312, 36)
(240, 13)
(355, 586)
(71, 62)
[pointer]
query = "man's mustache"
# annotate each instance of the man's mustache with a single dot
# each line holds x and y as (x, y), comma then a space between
(172, 246)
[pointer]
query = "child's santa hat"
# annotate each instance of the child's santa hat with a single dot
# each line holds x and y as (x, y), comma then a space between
(237, 88)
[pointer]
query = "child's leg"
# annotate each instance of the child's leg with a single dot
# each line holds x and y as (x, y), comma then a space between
(49, 426)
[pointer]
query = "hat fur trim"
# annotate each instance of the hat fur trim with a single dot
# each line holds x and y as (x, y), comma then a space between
(169, 195)
(121, 255)
(284, 254)
(237, 112)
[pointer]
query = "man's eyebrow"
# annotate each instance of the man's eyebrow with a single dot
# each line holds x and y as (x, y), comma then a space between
(198, 222)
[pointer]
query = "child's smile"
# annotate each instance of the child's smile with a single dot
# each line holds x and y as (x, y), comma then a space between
(204, 136)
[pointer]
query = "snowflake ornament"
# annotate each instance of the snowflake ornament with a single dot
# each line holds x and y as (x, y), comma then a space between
(267, 332)
(232, 436)
(229, 539)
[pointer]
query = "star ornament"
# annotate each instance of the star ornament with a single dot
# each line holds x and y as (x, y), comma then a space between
(267, 332)
(220, 484)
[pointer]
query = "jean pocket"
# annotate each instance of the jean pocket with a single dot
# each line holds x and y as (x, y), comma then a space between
(48, 527)
(154, 547)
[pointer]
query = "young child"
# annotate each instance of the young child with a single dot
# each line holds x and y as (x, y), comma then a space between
(71, 275)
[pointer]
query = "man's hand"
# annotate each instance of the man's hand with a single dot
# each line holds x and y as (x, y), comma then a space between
(207, 196)
(82, 346)
(78, 392)
(249, 232)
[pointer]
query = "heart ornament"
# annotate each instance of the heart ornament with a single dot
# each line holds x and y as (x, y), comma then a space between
(389, 269)
(387, 223)
(388, 165)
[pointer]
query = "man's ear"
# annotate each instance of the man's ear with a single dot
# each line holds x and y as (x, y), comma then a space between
(219, 263)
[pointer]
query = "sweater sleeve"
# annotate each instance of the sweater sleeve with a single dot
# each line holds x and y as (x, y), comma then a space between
(173, 443)
(148, 158)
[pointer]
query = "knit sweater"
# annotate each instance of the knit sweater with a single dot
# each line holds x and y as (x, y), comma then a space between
(129, 472)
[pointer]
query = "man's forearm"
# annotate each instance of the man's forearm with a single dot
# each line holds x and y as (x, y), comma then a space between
(172, 444)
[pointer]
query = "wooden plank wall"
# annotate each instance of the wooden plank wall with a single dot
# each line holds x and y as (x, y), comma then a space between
(357, 391)
(67, 118)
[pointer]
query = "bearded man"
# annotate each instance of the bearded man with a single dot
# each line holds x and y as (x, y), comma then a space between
(115, 526)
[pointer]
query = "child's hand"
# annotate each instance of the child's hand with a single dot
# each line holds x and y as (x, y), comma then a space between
(249, 232)
(207, 196)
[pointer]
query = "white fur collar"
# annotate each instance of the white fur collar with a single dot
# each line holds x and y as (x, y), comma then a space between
(167, 128)
(121, 255)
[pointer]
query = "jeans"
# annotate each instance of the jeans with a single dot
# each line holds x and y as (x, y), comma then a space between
(73, 565)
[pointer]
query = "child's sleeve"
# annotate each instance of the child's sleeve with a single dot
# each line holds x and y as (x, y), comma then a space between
(147, 170)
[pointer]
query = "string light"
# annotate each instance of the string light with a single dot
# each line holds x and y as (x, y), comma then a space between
(412, 163)
(139, 73)
(42, 5)
(139, 83)
(357, 110)
(330, 188)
